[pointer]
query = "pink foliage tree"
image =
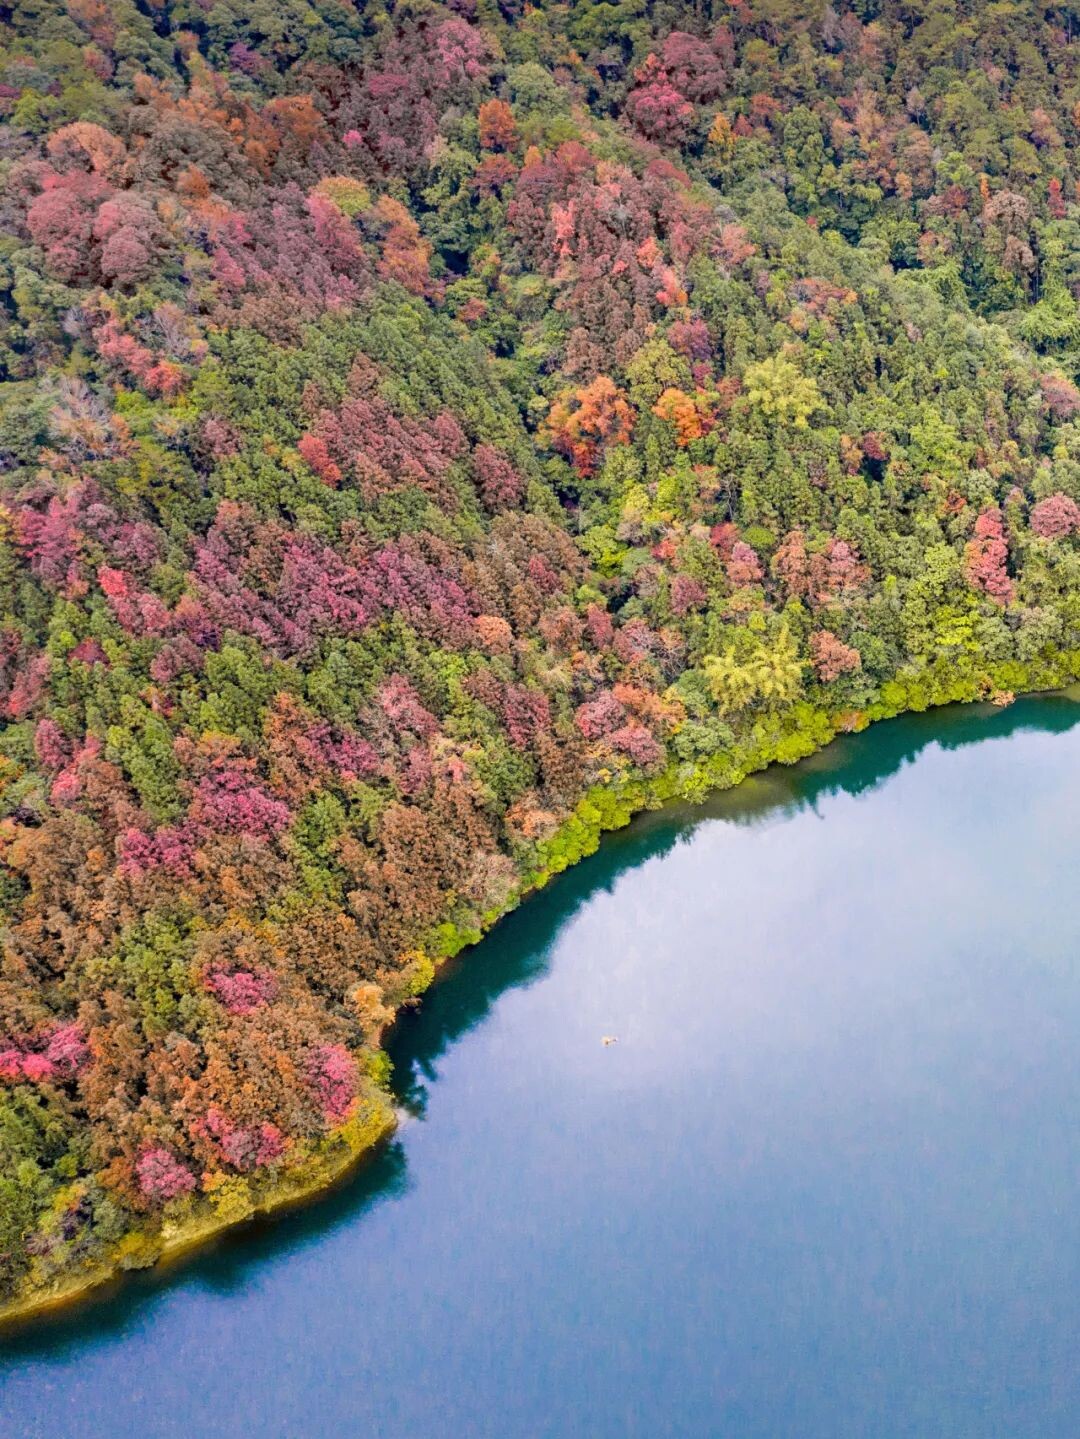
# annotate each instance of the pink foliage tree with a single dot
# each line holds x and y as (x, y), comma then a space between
(744, 567)
(161, 1176)
(404, 708)
(27, 687)
(230, 801)
(600, 716)
(831, 657)
(51, 745)
(687, 594)
(245, 1146)
(1055, 517)
(332, 1076)
(656, 108)
(526, 713)
(986, 555)
(638, 743)
(140, 612)
(53, 1057)
(50, 539)
(501, 487)
(600, 626)
(170, 849)
(241, 991)
(1061, 398)
(67, 1049)
(698, 68)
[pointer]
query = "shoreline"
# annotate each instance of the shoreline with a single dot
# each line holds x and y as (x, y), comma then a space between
(333, 1164)
(335, 1159)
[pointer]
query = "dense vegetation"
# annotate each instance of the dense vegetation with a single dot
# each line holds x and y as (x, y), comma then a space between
(432, 431)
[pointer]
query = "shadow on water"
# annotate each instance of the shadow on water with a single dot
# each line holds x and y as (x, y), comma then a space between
(516, 954)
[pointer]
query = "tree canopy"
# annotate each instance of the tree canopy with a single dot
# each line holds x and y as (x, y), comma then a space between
(431, 431)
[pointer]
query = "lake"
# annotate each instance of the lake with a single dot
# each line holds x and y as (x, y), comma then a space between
(825, 1185)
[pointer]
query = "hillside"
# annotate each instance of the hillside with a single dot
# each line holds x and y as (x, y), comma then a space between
(430, 433)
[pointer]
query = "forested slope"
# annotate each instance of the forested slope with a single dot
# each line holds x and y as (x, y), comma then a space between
(430, 432)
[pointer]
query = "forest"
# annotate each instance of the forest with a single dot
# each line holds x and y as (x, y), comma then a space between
(430, 433)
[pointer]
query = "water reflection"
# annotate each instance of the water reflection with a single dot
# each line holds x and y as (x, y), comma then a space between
(514, 956)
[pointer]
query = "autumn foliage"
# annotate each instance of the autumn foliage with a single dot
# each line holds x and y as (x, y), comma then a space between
(429, 433)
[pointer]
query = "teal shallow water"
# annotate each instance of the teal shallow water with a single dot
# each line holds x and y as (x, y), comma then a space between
(826, 1184)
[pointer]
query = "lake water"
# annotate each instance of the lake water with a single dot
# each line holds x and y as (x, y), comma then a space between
(826, 1184)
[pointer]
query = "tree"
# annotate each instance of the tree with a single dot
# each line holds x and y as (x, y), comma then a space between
(831, 657)
(1055, 517)
(497, 128)
(754, 671)
(986, 555)
(779, 391)
(583, 425)
(680, 410)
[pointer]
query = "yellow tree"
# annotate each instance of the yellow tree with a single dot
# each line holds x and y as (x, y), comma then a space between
(771, 673)
(779, 389)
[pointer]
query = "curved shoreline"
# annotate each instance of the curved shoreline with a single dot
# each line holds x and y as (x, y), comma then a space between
(335, 1159)
(334, 1162)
